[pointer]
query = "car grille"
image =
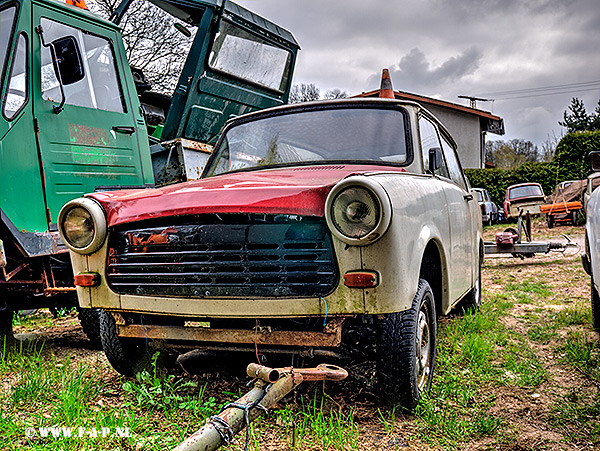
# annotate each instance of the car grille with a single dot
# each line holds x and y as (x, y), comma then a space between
(223, 256)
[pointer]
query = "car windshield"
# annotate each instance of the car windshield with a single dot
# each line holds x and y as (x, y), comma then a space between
(334, 134)
(479, 196)
(525, 191)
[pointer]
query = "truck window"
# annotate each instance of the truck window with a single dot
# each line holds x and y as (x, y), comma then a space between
(7, 17)
(100, 87)
(16, 95)
(244, 55)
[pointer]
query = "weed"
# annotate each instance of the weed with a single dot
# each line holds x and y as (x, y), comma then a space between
(583, 354)
(388, 423)
(538, 288)
(574, 315)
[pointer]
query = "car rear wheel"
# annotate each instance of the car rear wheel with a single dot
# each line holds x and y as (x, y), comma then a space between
(128, 356)
(595, 307)
(406, 347)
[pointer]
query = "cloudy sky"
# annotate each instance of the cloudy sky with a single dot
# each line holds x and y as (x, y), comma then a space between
(447, 48)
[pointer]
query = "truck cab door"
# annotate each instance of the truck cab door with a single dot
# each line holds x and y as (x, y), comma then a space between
(90, 132)
(239, 62)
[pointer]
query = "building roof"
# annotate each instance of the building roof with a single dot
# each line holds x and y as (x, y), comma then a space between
(489, 122)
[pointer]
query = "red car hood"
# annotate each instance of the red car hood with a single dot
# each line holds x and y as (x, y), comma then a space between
(299, 190)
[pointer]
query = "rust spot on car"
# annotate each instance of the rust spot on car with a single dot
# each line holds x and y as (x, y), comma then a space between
(146, 239)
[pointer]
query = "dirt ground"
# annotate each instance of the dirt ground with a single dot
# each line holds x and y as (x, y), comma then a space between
(525, 411)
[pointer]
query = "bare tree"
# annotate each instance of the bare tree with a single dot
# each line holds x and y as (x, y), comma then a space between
(304, 93)
(549, 147)
(336, 93)
(152, 42)
(510, 154)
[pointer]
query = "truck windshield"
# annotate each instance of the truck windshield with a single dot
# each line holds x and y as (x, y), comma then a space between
(357, 134)
(244, 55)
(7, 17)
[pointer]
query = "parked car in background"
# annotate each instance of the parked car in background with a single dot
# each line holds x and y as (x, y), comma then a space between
(489, 210)
(591, 255)
(524, 197)
(318, 229)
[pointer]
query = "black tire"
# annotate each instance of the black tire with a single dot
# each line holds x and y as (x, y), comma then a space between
(6, 328)
(595, 307)
(406, 357)
(128, 356)
(472, 300)
(89, 318)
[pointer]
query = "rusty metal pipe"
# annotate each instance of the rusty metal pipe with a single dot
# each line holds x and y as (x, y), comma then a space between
(232, 420)
(264, 373)
(208, 437)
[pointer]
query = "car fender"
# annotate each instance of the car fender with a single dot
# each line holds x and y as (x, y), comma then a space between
(419, 218)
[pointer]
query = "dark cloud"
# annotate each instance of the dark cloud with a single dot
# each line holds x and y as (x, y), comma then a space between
(445, 48)
(416, 73)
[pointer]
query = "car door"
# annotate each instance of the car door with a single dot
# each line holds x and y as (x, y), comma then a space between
(90, 132)
(458, 209)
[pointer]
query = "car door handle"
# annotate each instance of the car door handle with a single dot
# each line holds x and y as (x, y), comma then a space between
(124, 129)
(468, 197)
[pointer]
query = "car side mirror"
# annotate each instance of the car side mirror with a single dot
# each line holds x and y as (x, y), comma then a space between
(67, 59)
(435, 159)
(595, 160)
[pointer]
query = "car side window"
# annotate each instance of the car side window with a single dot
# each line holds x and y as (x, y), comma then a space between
(100, 87)
(454, 167)
(430, 140)
(17, 94)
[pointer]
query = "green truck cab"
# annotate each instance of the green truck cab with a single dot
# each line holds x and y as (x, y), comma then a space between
(75, 119)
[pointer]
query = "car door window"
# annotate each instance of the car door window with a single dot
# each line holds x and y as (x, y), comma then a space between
(16, 96)
(454, 167)
(100, 87)
(430, 140)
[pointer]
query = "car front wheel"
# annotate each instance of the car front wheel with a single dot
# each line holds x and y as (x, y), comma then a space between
(128, 356)
(406, 347)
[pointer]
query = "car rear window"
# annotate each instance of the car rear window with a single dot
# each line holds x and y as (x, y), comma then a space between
(525, 191)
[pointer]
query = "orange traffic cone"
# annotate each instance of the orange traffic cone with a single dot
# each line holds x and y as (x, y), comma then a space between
(79, 3)
(386, 91)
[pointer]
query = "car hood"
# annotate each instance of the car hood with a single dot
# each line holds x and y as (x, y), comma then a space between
(298, 190)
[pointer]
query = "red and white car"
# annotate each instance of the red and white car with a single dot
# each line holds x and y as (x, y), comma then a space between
(318, 229)
(523, 198)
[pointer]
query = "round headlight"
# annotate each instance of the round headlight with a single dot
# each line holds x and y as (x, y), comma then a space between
(82, 225)
(355, 212)
(358, 210)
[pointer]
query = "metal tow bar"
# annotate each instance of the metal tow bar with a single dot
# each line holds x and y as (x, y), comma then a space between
(271, 385)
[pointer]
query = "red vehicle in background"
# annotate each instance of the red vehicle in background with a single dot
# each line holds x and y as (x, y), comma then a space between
(525, 197)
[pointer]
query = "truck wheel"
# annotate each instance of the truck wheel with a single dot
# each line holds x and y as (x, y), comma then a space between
(406, 347)
(89, 318)
(6, 328)
(128, 356)
(595, 307)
